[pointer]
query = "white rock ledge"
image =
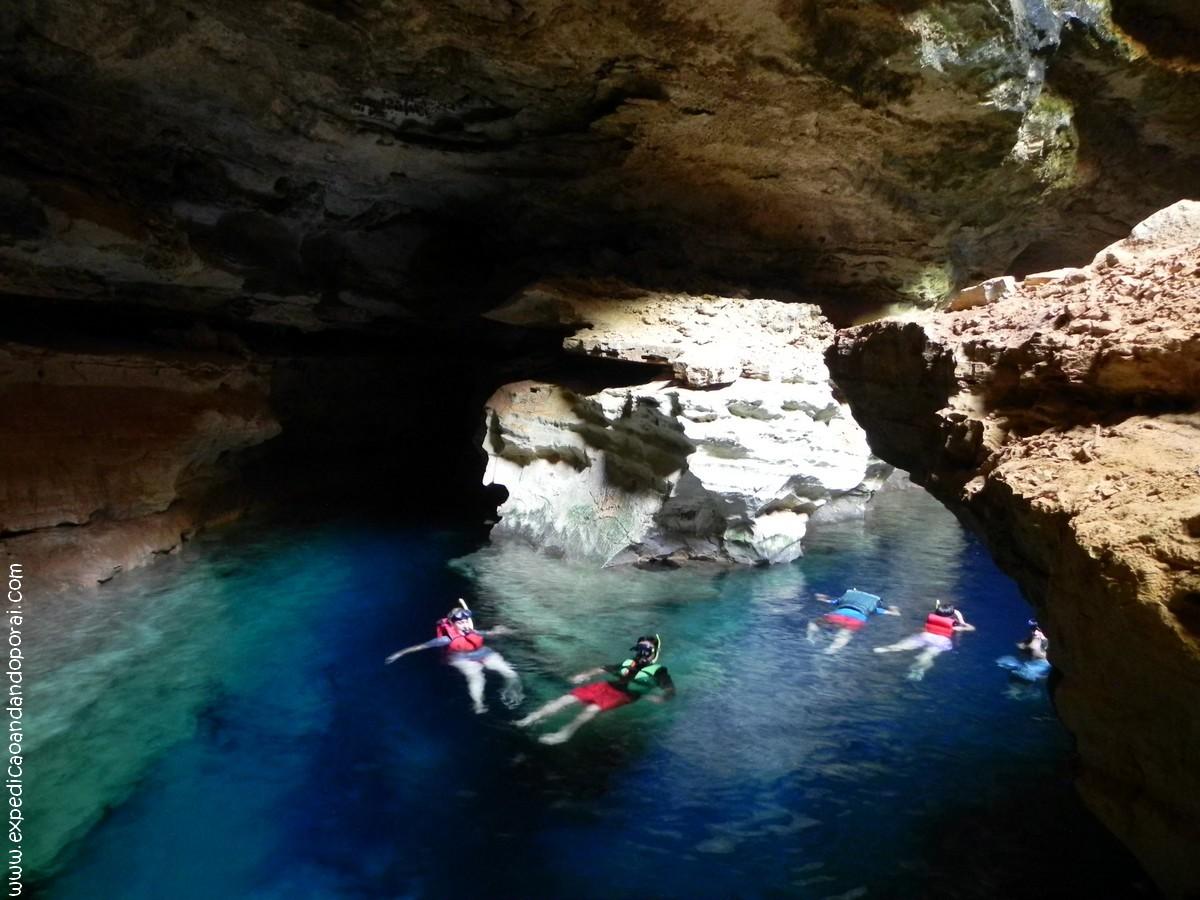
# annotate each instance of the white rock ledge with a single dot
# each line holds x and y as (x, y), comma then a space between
(725, 457)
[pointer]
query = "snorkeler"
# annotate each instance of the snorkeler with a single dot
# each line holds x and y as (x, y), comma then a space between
(850, 613)
(933, 640)
(1036, 645)
(635, 678)
(1035, 666)
(466, 652)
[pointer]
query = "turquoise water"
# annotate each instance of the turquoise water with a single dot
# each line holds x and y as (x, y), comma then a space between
(221, 725)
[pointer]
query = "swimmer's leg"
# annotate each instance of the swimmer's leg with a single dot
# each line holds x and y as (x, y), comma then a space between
(564, 734)
(811, 631)
(840, 640)
(923, 663)
(909, 643)
(548, 710)
(473, 672)
(512, 694)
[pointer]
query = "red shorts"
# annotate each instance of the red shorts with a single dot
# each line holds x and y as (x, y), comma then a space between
(844, 621)
(602, 694)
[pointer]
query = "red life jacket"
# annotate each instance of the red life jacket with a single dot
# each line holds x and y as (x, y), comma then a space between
(460, 641)
(943, 625)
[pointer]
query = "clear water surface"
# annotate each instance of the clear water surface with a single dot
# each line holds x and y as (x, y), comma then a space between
(220, 724)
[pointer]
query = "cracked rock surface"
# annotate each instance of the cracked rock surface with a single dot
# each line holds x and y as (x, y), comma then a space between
(346, 166)
(1061, 421)
(725, 453)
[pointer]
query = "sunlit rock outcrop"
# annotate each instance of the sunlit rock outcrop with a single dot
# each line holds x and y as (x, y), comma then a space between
(725, 453)
(1060, 418)
(107, 459)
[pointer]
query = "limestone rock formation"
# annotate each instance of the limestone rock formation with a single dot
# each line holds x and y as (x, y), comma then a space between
(727, 451)
(1061, 421)
(109, 458)
(349, 165)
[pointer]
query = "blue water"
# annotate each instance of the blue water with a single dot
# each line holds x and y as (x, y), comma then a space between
(220, 724)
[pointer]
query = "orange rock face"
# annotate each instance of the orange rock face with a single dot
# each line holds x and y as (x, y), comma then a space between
(1061, 421)
(127, 446)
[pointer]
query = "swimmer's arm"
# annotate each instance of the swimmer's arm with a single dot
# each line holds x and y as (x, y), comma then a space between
(581, 677)
(432, 642)
(888, 610)
(961, 624)
(663, 680)
(498, 631)
(823, 598)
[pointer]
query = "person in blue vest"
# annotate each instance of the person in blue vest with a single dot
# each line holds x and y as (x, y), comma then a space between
(640, 676)
(850, 613)
(465, 651)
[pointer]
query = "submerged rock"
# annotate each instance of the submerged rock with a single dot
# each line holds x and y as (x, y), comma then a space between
(1061, 421)
(724, 455)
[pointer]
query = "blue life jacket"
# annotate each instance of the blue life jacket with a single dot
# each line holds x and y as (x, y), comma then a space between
(859, 601)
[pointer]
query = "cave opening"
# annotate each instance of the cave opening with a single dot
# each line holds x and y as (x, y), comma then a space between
(612, 320)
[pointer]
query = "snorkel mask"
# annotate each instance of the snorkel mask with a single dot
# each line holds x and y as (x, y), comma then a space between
(460, 614)
(646, 649)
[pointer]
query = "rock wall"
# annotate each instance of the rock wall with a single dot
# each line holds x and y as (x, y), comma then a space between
(725, 453)
(1058, 416)
(320, 165)
(109, 458)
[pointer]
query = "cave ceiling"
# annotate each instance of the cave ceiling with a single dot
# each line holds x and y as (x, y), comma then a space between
(364, 164)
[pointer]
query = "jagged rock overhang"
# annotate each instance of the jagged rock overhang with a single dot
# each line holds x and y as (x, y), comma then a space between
(328, 168)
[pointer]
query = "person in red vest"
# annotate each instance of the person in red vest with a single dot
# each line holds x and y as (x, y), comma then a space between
(465, 651)
(933, 640)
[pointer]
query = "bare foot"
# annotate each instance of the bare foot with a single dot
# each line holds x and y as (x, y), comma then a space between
(512, 695)
(554, 737)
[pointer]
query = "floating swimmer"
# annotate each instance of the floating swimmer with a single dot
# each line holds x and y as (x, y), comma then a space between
(1035, 666)
(465, 651)
(850, 613)
(636, 678)
(933, 640)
